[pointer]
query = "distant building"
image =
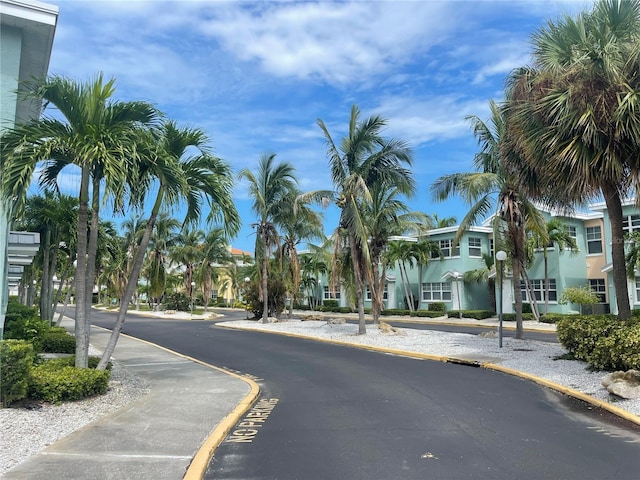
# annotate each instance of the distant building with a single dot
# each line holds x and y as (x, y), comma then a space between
(27, 29)
(443, 277)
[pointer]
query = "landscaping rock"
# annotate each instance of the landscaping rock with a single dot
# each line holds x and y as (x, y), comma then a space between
(336, 321)
(387, 329)
(623, 384)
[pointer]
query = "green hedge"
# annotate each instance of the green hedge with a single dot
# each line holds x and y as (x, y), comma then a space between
(475, 314)
(428, 313)
(330, 304)
(437, 307)
(511, 317)
(70, 361)
(55, 341)
(16, 360)
(603, 341)
(395, 311)
(56, 385)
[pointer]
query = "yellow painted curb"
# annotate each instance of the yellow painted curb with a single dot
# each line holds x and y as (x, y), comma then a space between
(201, 459)
(490, 366)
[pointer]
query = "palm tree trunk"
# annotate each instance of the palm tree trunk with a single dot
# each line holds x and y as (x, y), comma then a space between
(81, 329)
(132, 283)
(92, 251)
(357, 270)
(419, 285)
(45, 284)
(533, 302)
(377, 291)
(404, 281)
(67, 297)
(263, 282)
(614, 206)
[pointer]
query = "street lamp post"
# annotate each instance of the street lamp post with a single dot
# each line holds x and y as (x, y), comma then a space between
(246, 305)
(501, 256)
(193, 287)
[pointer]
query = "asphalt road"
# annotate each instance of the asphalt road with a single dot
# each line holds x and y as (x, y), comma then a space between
(331, 412)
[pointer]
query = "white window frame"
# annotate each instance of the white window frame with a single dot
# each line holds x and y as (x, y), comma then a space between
(475, 247)
(592, 239)
(537, 285)
(436, 292)
(599, 286)
(631, 223)
(446, 249)
(327, 293)
(385, 293)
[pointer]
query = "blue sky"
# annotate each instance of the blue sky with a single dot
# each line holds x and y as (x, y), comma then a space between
(257, 75)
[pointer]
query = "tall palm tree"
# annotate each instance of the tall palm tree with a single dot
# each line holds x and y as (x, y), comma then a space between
(162, 239)
(555, 233)
(493, 187)
(271, 187)
(423, 251)
(179, 163)
(574, 117)
(215, 254)
(400, 253)
(483, 275)
(363, 159)
(53, 215)
(92, 132)
(443, 222)
(297, 222)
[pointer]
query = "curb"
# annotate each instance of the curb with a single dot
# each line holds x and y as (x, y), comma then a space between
(201, 459)
(461, 361)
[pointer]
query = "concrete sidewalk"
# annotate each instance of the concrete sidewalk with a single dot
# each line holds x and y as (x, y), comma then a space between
(156, 436)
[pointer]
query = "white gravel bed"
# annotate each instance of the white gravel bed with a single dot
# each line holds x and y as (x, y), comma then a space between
(25, 432)
(529, 356)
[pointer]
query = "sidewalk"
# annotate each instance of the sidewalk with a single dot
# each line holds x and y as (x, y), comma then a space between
(157, 435)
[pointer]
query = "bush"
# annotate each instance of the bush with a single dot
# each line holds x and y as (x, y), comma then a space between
(511, 317)
(177, 301)
(16, 360)
(70, 361)
(55, 385)
(553, 317)
(27, 328)
(437, 307)
(603, 341)
(330, 304)
(395, 311)
(475, 314)
(428, 313)
(55, 341)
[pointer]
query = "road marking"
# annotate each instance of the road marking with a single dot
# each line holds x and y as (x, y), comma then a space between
(249, 426)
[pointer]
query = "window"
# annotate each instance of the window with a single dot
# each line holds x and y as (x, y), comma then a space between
(385, 293)
(594, 240)
(571, 230)
(598, 286)
(475, 247)
(446, 249)
(329, 294)
(637, 289)
(631, 223)
(538, 290)
(214, 294)
(439, 291)
(491, 248)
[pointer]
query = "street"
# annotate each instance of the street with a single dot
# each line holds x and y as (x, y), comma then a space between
(328, 411)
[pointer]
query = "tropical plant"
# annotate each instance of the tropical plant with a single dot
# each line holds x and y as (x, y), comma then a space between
(574, 117)
(97, 135)
(215, 255)
(271, 187)
(362, 160)
(494, 188)
(178, 162)
(483, 275)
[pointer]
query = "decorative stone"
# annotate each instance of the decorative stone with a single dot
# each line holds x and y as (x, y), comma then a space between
(336, 321)
(623, 384)
(387, 329)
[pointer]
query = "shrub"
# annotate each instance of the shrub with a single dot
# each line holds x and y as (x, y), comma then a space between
(27, 328)
(330, 304)
(55, 385)
(70, 361)
(475, 314)
(511, 317)
(553, 317)
(177, 301)
(395, 311)
(16, 360)
(427, 313)
(58, 342)
(437, 307)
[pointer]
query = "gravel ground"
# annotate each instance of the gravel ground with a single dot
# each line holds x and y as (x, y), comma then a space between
(26, 431)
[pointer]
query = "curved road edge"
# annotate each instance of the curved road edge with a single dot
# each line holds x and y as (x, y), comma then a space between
(463, 361)
(202, 457)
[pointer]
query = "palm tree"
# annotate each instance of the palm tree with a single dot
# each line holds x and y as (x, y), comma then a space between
(297, 222)
(574, 117)
(362, 160)
(271, 187)
(423, 251)
(555, 233)
(400, 253)
(179, 163)
(214, 254)
(443, 222)
(53, 216)
(161, 241)
(494, 187)
(93, 133)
